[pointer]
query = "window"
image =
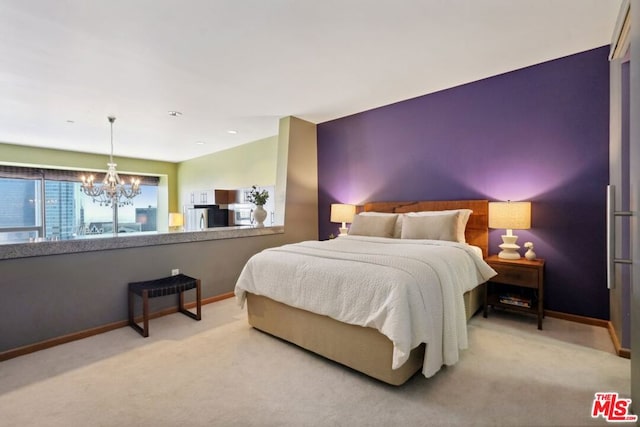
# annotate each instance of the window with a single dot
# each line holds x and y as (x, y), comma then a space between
(19, 211)
(141, 216)
(49, 204)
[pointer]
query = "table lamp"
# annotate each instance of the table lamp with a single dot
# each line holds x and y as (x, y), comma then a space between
(342, 213)
(176, 221)
(510, 216)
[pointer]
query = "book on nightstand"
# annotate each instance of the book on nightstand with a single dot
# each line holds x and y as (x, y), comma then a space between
(515, 300)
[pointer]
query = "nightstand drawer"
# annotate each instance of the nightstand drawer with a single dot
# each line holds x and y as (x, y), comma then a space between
(515, 275)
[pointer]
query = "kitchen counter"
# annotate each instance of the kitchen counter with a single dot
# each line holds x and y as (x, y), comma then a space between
(129, 240)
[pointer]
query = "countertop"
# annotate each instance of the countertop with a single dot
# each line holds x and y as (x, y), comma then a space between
(129, 240)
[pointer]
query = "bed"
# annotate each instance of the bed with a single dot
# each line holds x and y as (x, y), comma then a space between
(287, 296)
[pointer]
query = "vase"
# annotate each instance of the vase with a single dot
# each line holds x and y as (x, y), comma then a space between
(530, 255)
(259, 215)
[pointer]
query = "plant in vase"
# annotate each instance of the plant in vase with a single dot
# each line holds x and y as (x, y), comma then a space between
(258, 198)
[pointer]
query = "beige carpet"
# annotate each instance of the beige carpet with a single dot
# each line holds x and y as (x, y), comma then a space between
(220, 372)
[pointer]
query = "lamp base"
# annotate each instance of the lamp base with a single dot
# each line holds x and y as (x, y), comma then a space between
(509, 247)
(343, 231)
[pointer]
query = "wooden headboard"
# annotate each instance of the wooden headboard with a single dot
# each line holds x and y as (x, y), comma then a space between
(477, 231)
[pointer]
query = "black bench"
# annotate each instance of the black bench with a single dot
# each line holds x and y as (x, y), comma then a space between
(177, 284)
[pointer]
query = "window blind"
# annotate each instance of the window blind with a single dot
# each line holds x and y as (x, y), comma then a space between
(20, 172)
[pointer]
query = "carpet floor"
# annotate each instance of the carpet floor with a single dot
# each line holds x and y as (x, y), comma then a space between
(221, 372)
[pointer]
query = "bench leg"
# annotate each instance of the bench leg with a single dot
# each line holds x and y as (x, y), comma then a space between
(131, 302)
(145, 312)
(198, 300)
(132, 319)
(182, 308)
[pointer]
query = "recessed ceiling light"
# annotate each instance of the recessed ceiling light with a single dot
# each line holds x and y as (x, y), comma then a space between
(232, 132)
(200, 142)
(175, 113)
(70, 121)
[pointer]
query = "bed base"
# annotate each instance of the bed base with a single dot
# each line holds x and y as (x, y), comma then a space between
(364, 349)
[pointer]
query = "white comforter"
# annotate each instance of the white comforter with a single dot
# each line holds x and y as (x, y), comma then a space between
(409, 290)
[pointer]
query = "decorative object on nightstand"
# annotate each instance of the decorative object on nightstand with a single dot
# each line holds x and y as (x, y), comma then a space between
(510, 216)
(342, 213)
(530, 254)
(519, 286)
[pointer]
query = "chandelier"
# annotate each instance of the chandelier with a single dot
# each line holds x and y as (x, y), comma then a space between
(111, 191)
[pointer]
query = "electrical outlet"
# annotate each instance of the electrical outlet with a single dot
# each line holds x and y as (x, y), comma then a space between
(175, 271)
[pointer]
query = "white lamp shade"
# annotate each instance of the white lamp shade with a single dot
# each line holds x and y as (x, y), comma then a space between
(342, 213)
(176, 220)
(510, 215)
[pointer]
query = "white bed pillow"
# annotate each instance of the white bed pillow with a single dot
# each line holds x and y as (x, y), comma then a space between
(463, 218)
(397, 230)
(373, 225)
(432, 227)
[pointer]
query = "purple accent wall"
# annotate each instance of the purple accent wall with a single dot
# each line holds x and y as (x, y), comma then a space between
(540, 134)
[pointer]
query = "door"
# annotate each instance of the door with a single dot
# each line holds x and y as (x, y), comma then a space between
(618, 208)
(625, 174)
(634, 178)
(618, 195)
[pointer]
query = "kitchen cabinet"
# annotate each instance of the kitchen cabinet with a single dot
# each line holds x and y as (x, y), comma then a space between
(211, 197)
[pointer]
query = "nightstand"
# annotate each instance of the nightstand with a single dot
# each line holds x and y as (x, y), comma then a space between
(518, 286)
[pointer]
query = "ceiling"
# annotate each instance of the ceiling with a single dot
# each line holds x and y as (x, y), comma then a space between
(242, 65)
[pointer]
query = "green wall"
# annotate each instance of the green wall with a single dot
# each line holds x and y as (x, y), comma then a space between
(238, 167)
(43, 157)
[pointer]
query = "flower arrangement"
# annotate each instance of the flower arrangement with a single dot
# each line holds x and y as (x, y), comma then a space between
(258, 197)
